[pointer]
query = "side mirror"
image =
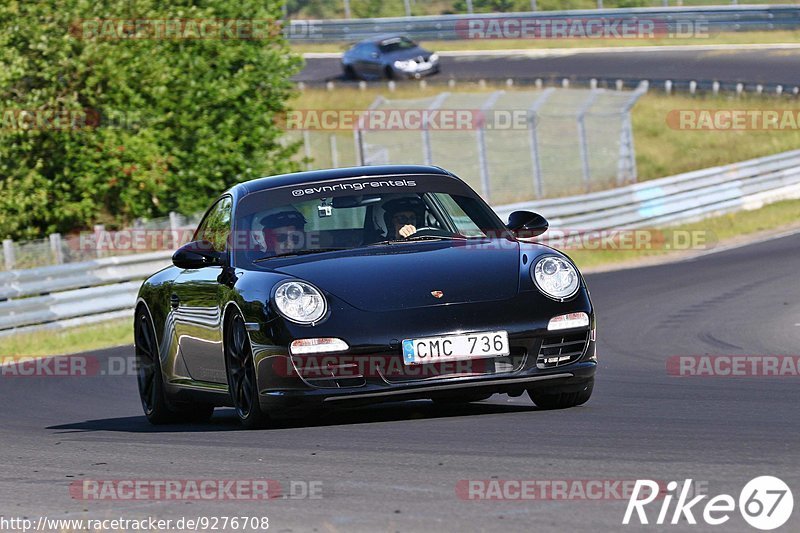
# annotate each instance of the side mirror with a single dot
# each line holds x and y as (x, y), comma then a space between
(526, 224)
(197, 254)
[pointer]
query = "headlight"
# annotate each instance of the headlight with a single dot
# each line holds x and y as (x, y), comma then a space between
(300, 302)
(434, 57)
(405, 65)
(555, 277)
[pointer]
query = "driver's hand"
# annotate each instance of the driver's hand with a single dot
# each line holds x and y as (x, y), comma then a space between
(407, 231)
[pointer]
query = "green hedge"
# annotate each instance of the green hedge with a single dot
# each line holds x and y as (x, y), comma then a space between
(137, 127)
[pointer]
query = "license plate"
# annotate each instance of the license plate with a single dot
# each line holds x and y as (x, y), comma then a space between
(455, 347)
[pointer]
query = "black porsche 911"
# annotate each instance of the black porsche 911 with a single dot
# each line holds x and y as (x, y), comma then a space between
(359, 285)
(389, 56)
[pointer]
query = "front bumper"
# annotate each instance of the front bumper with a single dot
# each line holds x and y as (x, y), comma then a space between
(417, 72)
(364, 376)
(372, 370)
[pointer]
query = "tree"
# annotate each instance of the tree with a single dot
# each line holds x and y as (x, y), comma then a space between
(101, 127)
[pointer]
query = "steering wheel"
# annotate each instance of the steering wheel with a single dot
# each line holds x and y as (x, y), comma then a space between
(430, 231)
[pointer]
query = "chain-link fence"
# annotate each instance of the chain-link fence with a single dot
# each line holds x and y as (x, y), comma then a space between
(145, 235)
(509, 145)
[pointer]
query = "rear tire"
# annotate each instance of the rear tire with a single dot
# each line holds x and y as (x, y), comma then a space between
(150, 380)
(555, 399)
(350, 73)
(148, 371)
(390, 73)
(241, 371)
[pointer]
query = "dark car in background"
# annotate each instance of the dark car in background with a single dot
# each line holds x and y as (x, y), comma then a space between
(389, 56)
(360, 285)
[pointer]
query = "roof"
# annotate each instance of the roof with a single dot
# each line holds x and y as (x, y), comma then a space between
(311, 176)
(384, 37)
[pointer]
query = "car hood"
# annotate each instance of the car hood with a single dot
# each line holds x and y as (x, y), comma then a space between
(403, 276)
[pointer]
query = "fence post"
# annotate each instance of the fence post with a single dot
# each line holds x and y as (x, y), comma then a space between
(584, 142)
(8, 254)
(483, 160)
(533, 5)
(469, 6)
(99, 229)
(174, 225)
(358, 142)
(358, 130)
(626, 162)
(533, 124)
(55, 247)
(427, 151)
(334, 151)
(307, 148)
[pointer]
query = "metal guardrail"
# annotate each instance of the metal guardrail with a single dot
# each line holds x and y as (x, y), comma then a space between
(75, 293)
(681, 198)
(66, 295)
(454, 27)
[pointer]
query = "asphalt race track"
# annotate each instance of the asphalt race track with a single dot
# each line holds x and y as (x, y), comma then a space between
(752, 66)
(395, 467)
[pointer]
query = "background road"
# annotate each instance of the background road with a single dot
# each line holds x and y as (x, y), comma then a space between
(394, 467)
(766, 66)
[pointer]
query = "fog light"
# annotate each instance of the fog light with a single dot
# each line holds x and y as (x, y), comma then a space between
(318, 345)
(568, 321)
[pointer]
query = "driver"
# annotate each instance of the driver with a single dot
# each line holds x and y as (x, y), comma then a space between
(284, 231)
(402, 216)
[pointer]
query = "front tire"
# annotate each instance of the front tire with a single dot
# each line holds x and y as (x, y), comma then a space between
(350, 73)
(557, 399)
(241, 371)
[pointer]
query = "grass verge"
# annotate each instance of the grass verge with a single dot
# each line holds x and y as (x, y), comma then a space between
(698, 236)
(68, 341)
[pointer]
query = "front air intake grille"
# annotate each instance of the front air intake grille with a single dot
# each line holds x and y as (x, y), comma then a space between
(560, 350)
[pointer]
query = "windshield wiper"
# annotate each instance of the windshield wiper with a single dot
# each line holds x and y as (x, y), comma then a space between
(434, 238)
(414, 238)
(298, 252)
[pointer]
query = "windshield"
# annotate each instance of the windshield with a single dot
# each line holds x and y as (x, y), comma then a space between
(395, 44)
(358, 213)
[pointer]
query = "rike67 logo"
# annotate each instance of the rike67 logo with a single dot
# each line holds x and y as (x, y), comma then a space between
(765, 503)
